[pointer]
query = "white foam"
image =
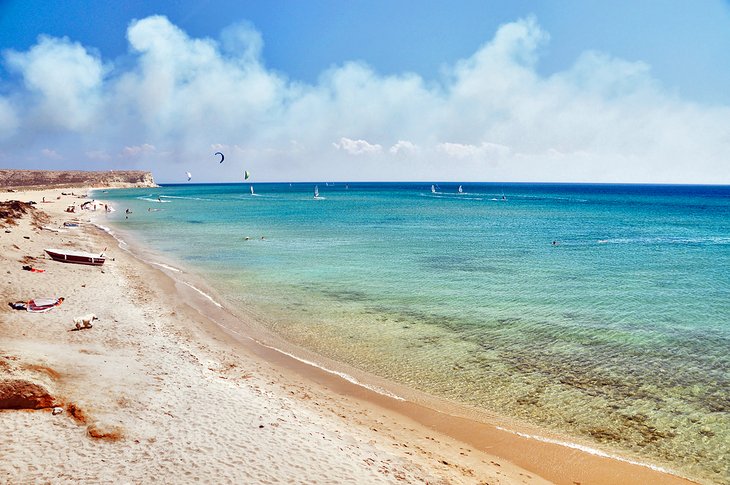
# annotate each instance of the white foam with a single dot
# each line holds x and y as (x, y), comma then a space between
(162, 265)
(203, 293)
(718, 240)
(107, 230)
(179, 197)
(343, 375)
(585, 449)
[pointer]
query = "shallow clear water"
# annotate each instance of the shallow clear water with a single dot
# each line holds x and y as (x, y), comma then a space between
(618, 334)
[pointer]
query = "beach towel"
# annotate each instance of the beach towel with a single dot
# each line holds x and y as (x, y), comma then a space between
(40, 305)
(33, 270)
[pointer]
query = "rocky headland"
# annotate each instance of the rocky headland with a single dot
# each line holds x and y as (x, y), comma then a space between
(48, 179)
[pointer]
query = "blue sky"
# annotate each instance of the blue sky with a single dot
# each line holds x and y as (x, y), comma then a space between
(382, 90)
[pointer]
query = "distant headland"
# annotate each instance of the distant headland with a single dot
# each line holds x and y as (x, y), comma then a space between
(42, 179)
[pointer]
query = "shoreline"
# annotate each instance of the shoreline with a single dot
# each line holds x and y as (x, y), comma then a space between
(497, 433)
(552, 461)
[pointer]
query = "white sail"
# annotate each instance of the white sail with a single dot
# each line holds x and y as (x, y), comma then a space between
(433, 189)
(461, 191)
(316, 192)
(252, 190)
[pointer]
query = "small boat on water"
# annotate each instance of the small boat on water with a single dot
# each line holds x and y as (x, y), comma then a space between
(433, 189)
(461, 190)
(316, 192)
(78, 257)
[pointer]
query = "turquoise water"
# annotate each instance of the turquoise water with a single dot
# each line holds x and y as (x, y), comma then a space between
(617, 335)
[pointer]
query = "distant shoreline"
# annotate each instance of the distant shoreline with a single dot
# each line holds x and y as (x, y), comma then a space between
(55, 179)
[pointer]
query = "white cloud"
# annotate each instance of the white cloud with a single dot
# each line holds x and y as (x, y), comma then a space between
(404, 147)
(8, 119)
(485, 150)
(491, 117)
(51, 154)
(99, 155)
(137, 150)
(357, 147)
(63, 79)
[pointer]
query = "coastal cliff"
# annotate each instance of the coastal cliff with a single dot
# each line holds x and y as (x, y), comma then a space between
(42, 179)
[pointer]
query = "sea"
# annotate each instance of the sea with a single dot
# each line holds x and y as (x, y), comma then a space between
(597, 312)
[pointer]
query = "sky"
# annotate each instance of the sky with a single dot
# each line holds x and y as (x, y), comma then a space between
(502, 90)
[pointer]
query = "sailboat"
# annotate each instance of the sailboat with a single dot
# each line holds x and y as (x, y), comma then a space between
(252, 193)
(461, 191)
(433, 189)
(316, 192)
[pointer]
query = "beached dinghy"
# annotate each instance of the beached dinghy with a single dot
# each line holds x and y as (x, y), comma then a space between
(78, 257)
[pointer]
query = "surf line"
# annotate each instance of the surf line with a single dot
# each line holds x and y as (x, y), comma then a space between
(161, 265)
(587, 449)
(202, 293)
(341, 375)
(120, 242)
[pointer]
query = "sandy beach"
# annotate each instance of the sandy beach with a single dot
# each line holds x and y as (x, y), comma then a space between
(158, 390)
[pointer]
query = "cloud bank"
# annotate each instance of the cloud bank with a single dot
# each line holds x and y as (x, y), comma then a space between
(175, 100)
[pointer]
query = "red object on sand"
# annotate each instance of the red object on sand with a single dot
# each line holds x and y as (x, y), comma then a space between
(40, 305)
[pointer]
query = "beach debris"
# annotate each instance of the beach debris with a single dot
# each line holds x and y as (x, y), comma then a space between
(13, 209)
(76, 413)
(105, 431)
(32, 269)
(85, 321)
(42, 305)
(222, 156)
(52, 229)
(23, 394)
(57, 411)
(18, 305)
